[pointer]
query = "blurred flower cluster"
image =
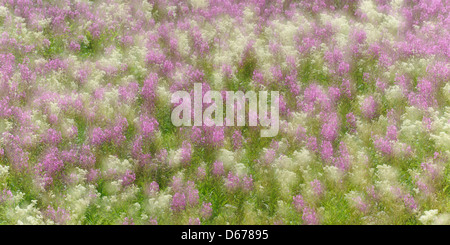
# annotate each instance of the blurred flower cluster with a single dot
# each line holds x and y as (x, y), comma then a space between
(85, 114)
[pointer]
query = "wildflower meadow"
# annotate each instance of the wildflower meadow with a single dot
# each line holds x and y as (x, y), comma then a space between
(361, 134)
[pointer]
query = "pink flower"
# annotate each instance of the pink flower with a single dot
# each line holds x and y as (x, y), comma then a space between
(316, 186)
(59, 216)
(152, 188)
(383, 145)
(186, 151)
(327, 150)
(237, 140)
(369, 107)
(148, 89)
(309, 216)
(201, 173)
(298, 202)
(247, 183)
(351, 122)
(232, 182)
(195, 221)
(148, 125)
(206, 210)
(128, 221)
(192, 194)
(218, 168)
(128, 178)
(178, 202)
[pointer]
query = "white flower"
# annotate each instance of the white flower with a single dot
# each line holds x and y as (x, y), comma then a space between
(410, 129)
(227, 158)
(3, 11)
(128, 194)
(78, 175)
(387, 178)
(114, 187)
(333, 173)
(29, 215)
(446, 91)
(428, 217)
(370, 9)
(184, 46)
(159, 204)
(174, 157)
(78, 199)
(303, 158)
(4, 171)
(442, 140)
(284, 162)
(442, 219)
(199, 3)
(240, 169)
(394, 94)
(113, 163)
(286, 179)
(386, 173)
(412, 114)
(163, 93)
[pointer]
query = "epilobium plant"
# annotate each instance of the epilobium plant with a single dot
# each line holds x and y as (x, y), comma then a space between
(224, 112)
(205, 116)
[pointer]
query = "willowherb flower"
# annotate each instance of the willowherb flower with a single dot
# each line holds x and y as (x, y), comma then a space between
(343, 160)
(360, 204)
(177, 184)
(99, 88)
(74, 46)
(93, 175)
(194, 221)
(128, 178)
(191, 193)
(278, 222)
(128, 221)
(383, 145)
(153, 221)
(409, 201)
(369, 107)
(232, 182)
(269, 156)
(237, 140)
(201, 173)
(98, 136)
(50, 165)
(298, 202)
(312, 144)
(351, 122)
(178, 202)
(186, 151)
(152, 189)
(316, 187)
(247, 183)
(147, 125)
(52, 137)
(162, 156)
(206, 210)
(148, 89)
(330, 127)
(5, 195)
(60, 216)
(431, 169)
(346, 88)
(391, 133)
(310, 216)
(326, 150)
(87, 158)
(218, 169)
